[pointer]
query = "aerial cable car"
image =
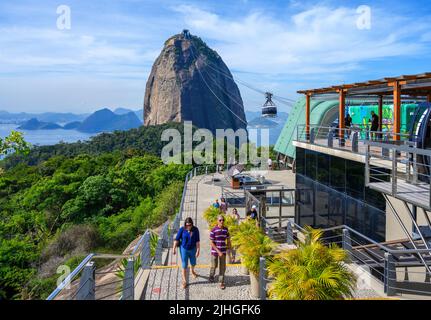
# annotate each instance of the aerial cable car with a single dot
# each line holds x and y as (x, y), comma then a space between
(269, 109)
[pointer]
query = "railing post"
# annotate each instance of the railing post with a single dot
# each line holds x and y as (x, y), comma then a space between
(129, 281)
(206, 170)
(330, 139)
(355, 142)
(394, 172)
(347, 243)
(159, 252)
(385, 151)
(390, 275)
(270, 233)
(164, 235)
(170, 235)
(146, 251)
(87, 284)
(367, 165)
(289, 233)
(262, 278)
(312, 135)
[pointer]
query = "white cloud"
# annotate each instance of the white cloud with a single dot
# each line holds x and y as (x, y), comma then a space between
(315, 40)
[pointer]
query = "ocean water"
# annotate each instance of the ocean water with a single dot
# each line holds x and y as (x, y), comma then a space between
(50, 137)
(45, 137)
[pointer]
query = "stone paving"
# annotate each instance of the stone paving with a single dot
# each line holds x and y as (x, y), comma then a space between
(165, 282)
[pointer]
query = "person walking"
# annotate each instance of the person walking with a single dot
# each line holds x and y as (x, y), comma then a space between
(216, 204)
(237, 219)
(348, 124)
(223, 205)
(188, 241)
(252, 214)
(220, 243)
(374, 125)
(235, 215)
(269, 163)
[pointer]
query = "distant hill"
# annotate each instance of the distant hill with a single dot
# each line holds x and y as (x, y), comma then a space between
(261, 122)
(122, 111)
(140, 140)
(275, 125)
(105, 120)
(281, 116)
(55, 117)
(34, 124)
(72, 125)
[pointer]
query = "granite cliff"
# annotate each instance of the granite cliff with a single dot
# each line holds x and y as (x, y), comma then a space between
(190, 82)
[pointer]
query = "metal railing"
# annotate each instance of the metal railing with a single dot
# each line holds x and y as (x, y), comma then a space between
(84, 283)
(399, 270)
(352, 139)
(401, 171)
(238, 197)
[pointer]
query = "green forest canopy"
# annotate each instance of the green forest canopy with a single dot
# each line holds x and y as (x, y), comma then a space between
(61, 202)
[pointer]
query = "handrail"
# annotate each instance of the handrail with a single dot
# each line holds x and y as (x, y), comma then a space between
(70, 277)
(91, 256)
(402, 148)
(364, 237)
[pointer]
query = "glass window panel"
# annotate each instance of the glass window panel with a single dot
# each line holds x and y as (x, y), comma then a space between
(310, 164)
(323, 168)
(337, 173)
(300, 161)
(336, 208)
(322, 206)
(304, 201)
(355, 179)
(375, 199)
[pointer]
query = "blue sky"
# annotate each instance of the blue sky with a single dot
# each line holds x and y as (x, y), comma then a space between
(282, 46)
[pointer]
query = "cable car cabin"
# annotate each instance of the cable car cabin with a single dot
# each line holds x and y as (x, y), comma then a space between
(269, 112)
(269, 109)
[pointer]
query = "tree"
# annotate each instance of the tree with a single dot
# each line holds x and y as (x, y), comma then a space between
(313, 271)
(14, 143)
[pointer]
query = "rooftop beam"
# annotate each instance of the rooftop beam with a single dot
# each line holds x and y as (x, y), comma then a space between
(397, 107)
(341, 114)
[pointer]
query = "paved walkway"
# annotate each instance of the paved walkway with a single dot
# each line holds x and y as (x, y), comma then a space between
(164, 282)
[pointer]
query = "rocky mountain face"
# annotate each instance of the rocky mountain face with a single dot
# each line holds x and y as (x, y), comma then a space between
(190, 82)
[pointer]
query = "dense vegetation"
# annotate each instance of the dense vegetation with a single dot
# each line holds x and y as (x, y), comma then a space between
(56, 211)
(144, 138)
(57, 203)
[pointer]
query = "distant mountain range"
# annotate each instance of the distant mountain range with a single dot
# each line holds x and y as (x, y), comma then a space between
(274, 125)
(252, 115)
(34, 124)
(57, 117)
(103, 120)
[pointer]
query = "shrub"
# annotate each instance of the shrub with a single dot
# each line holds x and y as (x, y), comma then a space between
(211, 214)
(78, 238)
(313, 271)
(252, 244)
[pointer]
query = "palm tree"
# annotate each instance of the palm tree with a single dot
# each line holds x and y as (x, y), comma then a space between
(313, 271)
(252, 244)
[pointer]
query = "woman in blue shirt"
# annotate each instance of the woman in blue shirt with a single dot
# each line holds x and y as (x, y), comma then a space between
(189, 242)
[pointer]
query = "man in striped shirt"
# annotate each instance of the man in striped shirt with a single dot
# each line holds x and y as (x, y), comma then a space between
(220, 242)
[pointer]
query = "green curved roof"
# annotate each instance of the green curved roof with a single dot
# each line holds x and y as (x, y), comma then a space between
(321, 113)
